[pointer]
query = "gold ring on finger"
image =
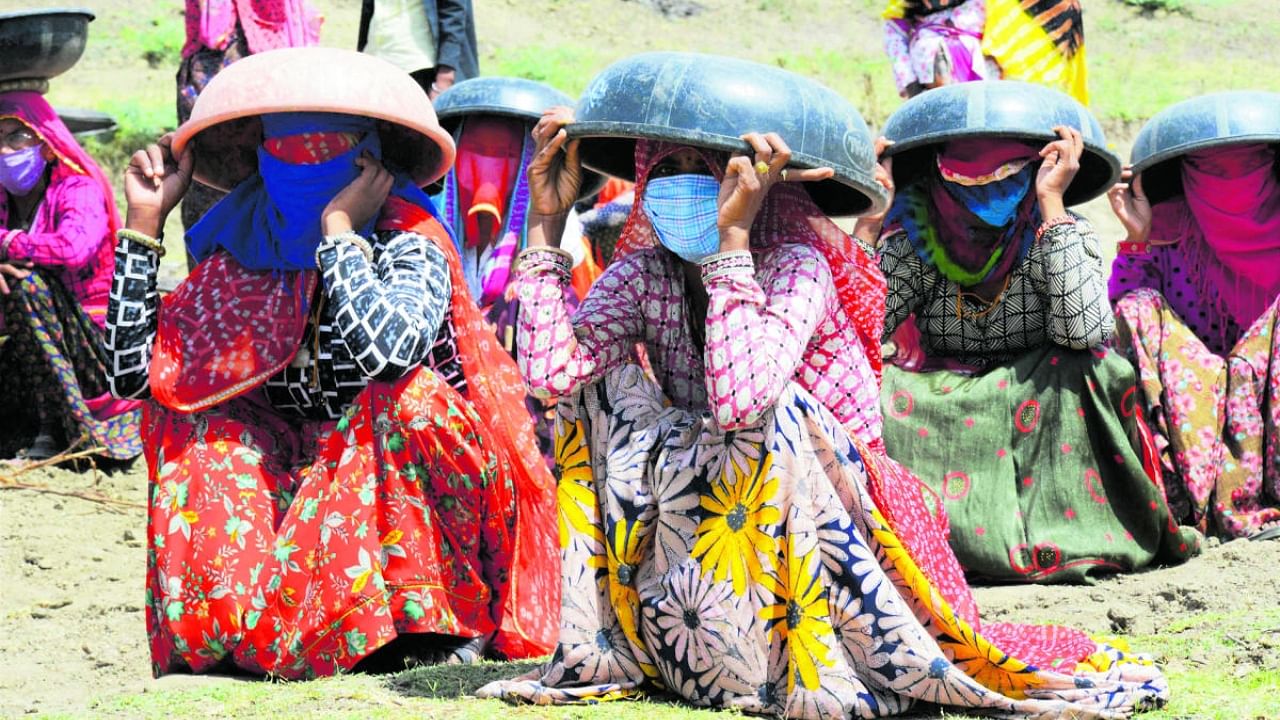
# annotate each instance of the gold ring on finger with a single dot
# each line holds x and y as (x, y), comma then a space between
(783, 175)
(762, 167)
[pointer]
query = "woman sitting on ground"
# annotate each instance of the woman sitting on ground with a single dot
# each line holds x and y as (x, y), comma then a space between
(56, 258)
(1019, 420)
(338, 451)
(1195, 288)
(729, 530)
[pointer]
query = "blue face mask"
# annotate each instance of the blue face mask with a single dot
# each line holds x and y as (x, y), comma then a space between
(683, 212)
(995, 203)
(21, 171)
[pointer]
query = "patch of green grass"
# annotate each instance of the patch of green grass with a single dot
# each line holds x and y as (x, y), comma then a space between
(1220, 667)
(567, 67)
(435, 692)
(158, 38)
(863, 78)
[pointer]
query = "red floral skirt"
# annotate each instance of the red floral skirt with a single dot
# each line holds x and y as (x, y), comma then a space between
(298, 548)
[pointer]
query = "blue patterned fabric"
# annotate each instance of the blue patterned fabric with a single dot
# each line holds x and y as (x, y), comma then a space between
(271, 221)
(683, 211)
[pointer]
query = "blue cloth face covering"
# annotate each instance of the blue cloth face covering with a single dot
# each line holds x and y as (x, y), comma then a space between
(683, 212)
(995, 203)
(21, 171)
(271, 221)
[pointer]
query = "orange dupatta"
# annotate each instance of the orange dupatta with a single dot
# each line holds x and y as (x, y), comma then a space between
(497, 390)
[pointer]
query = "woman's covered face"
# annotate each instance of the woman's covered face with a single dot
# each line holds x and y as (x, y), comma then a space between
(680, 200)
(16, 136)
(487, 170)
(23, 158)
(685, 161)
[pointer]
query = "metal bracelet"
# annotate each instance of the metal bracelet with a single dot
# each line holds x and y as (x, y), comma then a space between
(137, 238)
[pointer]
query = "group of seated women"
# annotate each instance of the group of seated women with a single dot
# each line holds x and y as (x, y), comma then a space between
(343, 472)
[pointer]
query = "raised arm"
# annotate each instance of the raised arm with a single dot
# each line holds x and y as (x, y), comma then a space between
(1133, 271)
(80, 223)
(132, 315)
(906, 276)
(557, 353)
(388, 310)
(1079, 315)
(757, 332)
(154, 183)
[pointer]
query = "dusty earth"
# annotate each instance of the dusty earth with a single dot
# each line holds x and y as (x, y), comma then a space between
(72, 628)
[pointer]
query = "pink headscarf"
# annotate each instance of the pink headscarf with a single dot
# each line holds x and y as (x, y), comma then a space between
(1227, 224)
(34, 111)
(267, 24)
(788, 216)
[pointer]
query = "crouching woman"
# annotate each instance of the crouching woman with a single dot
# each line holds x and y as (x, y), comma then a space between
(339, 457)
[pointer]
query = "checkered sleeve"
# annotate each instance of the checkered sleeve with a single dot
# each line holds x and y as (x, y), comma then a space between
(132, 316)
(387, 311)
(905, 275)
(758, 330)
(558, 353)
(80, 224)
(1079, 315)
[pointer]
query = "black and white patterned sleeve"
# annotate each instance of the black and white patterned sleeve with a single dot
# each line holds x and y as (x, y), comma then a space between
(905, 275)
(132, 314)
(388, 312)
(1079, 315)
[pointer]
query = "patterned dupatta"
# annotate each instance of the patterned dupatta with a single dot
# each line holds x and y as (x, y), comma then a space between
(497, 391)
(225, 330)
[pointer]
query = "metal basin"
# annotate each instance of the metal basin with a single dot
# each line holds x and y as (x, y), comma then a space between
(87, 123)
(37, 45)
(997, 109)
(710, 101)
(506, 97)
(1215, 120)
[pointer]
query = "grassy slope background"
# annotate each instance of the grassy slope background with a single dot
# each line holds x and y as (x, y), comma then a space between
(1221, 663)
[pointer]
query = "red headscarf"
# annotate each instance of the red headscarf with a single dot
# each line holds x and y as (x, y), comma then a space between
(787, 217)
(1228, 225)
(34, 111)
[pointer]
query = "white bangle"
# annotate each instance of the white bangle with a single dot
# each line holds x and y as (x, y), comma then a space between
(352, 237)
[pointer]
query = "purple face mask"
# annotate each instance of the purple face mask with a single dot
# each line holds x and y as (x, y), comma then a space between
(21, 171)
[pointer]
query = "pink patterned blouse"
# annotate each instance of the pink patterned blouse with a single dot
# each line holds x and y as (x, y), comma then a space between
(773, 317)
(70, 236)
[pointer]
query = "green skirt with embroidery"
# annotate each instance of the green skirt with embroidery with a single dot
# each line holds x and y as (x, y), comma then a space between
(1044, 466)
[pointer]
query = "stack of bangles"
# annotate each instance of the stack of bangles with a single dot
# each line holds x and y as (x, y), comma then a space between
(146, 241)
(1054, 222)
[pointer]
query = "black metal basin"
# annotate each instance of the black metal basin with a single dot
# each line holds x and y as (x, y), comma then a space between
(1215, 120)
(710, 101)
(87, 123)
(997, 108)
(41, 44)
(505, 97)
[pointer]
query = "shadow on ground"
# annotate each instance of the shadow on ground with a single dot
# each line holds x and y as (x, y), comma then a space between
(444, 682)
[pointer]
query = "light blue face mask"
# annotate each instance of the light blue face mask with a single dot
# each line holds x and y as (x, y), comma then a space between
(683, 211)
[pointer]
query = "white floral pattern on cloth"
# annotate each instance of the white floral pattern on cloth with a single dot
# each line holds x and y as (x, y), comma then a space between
(752, 570)
(764, 328)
